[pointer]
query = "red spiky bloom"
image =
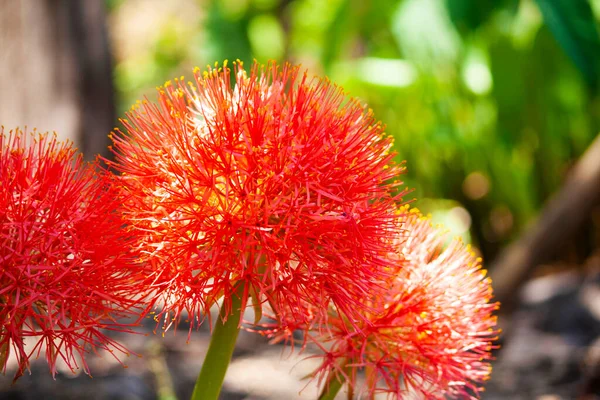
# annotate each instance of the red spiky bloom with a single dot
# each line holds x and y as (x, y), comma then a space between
(66, 269)
(279, 181)
(429, 333)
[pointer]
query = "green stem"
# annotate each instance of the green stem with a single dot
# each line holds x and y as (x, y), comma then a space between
(334, 384)
(332, 389)
(220, 349)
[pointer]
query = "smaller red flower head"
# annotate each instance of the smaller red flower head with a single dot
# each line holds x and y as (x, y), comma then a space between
(279, 182)
(429, 332)
(66, 268)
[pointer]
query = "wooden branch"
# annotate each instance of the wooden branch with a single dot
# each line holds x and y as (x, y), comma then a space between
(564, 213)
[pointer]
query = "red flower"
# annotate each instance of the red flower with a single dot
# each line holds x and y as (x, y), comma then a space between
(430, 332)
(279, 181)
(65, 263)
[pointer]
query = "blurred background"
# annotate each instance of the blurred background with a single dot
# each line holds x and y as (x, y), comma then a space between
(494, 105)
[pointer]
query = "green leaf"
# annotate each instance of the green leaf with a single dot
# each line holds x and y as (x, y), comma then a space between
(573, 25)
(342, 27)
(468, 15)
(227, 34)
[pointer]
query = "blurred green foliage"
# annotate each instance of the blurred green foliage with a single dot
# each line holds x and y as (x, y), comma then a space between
(490, 101)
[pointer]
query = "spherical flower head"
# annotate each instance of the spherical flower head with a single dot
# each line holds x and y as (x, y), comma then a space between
(430, 332)
(66, 268)
(271, 178)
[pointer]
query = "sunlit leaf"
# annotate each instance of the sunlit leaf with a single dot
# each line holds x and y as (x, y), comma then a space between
(424, 31)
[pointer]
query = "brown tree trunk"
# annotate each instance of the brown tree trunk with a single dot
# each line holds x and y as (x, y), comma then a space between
(564, 213)
(55, 70)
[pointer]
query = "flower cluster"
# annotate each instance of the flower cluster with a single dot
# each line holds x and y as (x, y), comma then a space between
(429, 333)
(279, 183)
(266, 187)
(66, 268)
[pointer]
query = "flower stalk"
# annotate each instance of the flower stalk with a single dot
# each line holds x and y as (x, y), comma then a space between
(222, 343)
(332, 389)
(334, 383)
